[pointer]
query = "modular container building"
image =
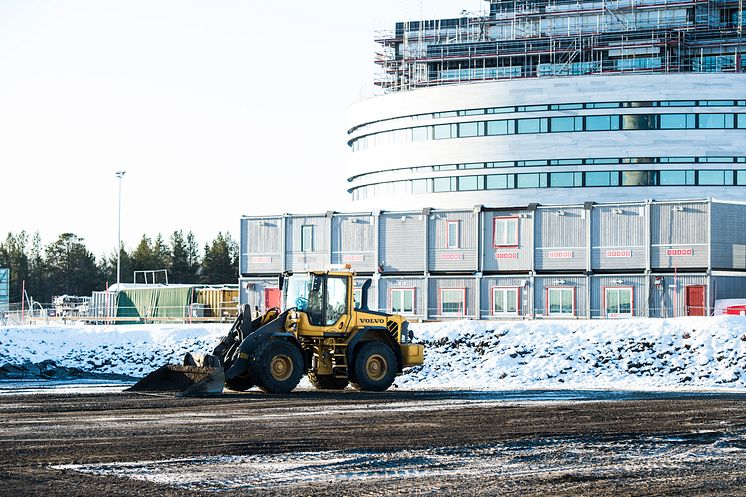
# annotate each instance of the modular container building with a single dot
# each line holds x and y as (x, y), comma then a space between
(590, 260)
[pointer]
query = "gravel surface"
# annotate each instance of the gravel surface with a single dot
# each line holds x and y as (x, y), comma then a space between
(395, 443)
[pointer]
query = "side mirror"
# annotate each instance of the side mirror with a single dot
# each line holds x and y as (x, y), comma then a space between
(280, 281)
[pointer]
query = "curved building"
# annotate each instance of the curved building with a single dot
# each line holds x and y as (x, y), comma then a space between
(608, 109)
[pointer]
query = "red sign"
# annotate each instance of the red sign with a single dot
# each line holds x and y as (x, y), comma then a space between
(618, 253)
(261, 259)
(506, 255)
(559, 254)
(452, 256)
(353, 258)
(687, 252)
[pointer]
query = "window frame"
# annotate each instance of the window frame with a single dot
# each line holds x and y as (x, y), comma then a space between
(561, 314)
(494, 231)
(449, 223)
(304, 238)
(605, 297)
(403, 312)
(517, 301)
(461, 313)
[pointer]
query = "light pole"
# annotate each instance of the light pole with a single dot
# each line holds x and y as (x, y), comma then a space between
(119, 175)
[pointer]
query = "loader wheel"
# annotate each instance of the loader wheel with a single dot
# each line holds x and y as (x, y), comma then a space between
(278, 367)
(375, 367)
(327, 382)
(240, 383)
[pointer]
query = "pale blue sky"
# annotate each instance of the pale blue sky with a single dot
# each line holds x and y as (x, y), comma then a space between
(214, 108)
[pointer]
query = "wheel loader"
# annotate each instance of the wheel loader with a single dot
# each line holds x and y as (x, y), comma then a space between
(319, 331)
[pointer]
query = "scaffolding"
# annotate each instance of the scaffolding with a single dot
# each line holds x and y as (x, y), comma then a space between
(547, 38)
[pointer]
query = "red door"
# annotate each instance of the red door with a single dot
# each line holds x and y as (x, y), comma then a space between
(695, 300)
(271, 298)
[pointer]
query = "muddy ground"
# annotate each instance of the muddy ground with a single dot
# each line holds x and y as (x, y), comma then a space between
(395, 443)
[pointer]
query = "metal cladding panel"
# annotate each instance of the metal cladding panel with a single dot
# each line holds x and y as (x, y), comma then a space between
(251, 290)
(402, 241)
(353, 241)
(261, 245)
(679, 235)
(418, 284)
(462, 257)
(372, 291)
(599, 284)
(728, 236)
(469, 285)
(618, 237)
(521, 283)
(318, 257)
(560, 239)
(543, 283)
(728, 287)
(668, 299)
(506, 258)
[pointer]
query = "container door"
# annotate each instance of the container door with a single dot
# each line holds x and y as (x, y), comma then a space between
(695, 300)
(271, 298)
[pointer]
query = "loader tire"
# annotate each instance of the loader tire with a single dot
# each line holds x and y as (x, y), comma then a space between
(278, 367)
(327, 382)
(240, 383)
(375, 367)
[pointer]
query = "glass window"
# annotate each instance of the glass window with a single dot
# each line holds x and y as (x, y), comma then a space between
(532, 108)
(306, 238)
(469, 183)
(637, 178)
(561, 180)
(601, 123)
(712, 178)
(677, 121)
(742, 121)
(712, 121)
(402, 300)
(561, 301)
(678, 103)
(530, 180)
(741, 178)
(561, 124)
(419, 186)
(618, 302)
(443, 184)
(566, 106)
(593, 178)
(566, 162)
(537, 125)
(499, 127)
(473, 165)
(500, 110)
(603, 105)
(453, 301)
(452, 241)
(504, 301)
(497, 182)
(603, 161)
(505, 232)
(529, 163)
(472, 112)
(441, 131)
(639, 121)
(470, 129)
(671, 178)
(421, 133)
(336, 299)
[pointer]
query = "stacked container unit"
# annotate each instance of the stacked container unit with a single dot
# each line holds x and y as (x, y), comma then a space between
(307, 242)
(452, 297)
(619, 237)
(561, 239)
(402, 242)
(354, 241)
(507, 240)
(564, 296)
(262, 245)
(405, 295)
(505, 297)
(452, 241)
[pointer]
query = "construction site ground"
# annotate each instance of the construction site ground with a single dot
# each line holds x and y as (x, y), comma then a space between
(394, 443)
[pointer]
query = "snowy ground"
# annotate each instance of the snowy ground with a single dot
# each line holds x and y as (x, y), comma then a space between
(688, 353)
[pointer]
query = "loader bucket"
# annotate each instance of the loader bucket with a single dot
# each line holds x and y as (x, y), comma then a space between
(183, 381)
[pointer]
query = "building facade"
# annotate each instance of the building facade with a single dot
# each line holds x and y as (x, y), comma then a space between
(650, 258)
(555, 101)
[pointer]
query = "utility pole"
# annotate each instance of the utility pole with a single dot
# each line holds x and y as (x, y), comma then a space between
(119, 175)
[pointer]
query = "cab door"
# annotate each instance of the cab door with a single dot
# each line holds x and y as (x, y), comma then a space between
(337, 304)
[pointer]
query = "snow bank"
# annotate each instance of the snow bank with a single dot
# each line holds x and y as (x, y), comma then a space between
(692, 353)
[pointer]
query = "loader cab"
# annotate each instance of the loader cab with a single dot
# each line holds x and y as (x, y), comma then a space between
(325, 297)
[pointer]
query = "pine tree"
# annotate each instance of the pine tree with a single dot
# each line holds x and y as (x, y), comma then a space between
(220, 263)
(13, 256)
(184, 264)
(70, 267)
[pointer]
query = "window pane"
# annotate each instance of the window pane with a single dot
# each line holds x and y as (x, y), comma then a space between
(336, 299)
(497, 127)
(638, 121)
(673, 121)
(567, 301)
(452, 301)
(306, 239)
(598, 123)
(597, 179)
(452, 241)
(612, 301)
(637, 178)
(711, 178)
(528, 180)
(497, 181)
(712, 121)
(498, 301)
(467, 183)
(441, 131)
(442, 184)
(421, 134)
(511, 301)
(742, 120)
(741, 178)
(529, 125)
(419, 186)
(468, 129)
(672, 178)
(561, 180)
(560, 124)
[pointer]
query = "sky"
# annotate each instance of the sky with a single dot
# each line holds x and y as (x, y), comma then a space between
(214, 110)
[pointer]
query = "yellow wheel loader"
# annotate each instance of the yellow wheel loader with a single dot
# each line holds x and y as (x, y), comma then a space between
(320, 332)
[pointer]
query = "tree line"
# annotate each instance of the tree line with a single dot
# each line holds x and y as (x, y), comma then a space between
(67, 267)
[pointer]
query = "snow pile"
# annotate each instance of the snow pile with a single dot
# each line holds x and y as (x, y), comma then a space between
(690, 353)
(622, 354)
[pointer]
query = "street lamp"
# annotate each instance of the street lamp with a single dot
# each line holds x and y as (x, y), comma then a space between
(119, 175)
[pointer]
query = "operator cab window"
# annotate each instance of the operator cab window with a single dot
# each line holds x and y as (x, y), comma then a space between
(315, 304)
(336, 299)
